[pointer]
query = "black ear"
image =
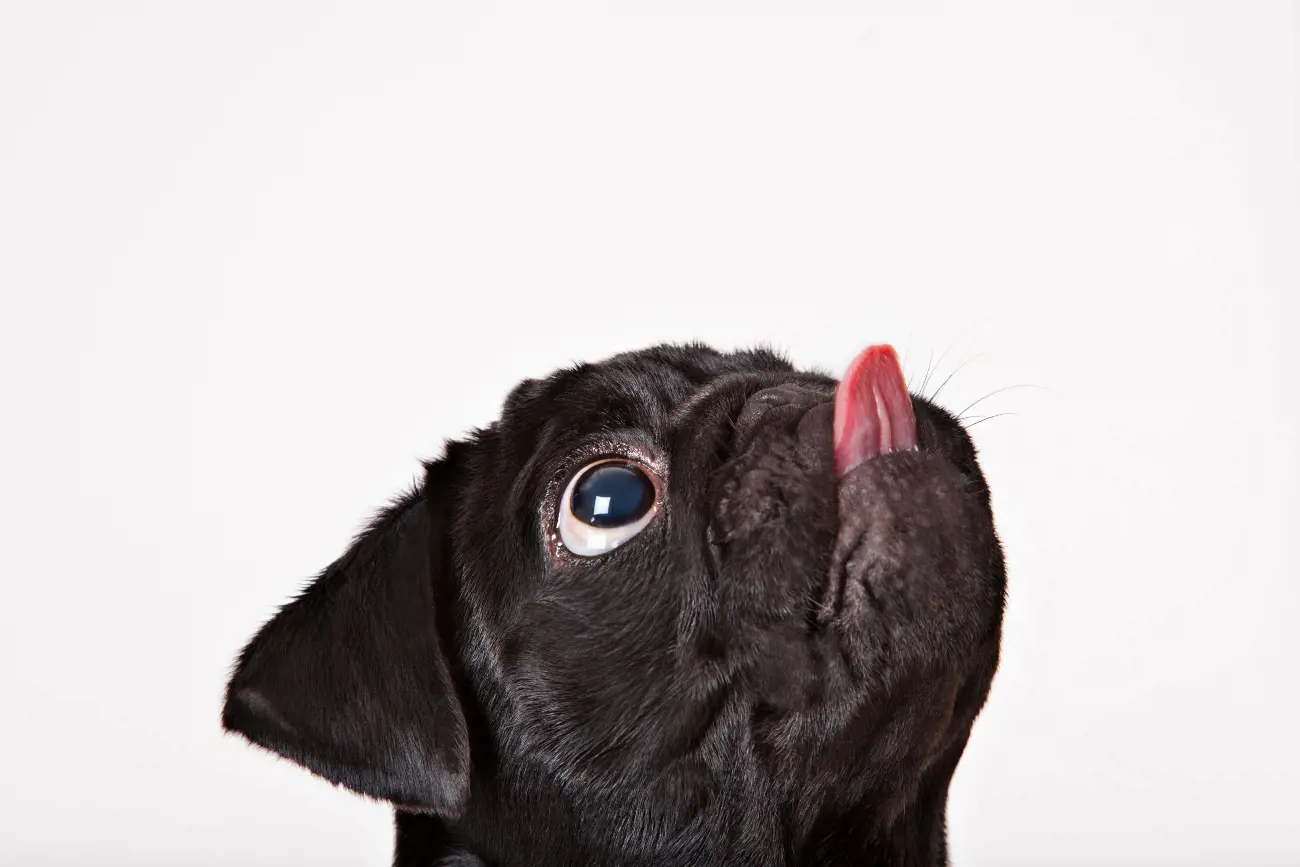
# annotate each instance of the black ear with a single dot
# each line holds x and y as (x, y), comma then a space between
(350, 680)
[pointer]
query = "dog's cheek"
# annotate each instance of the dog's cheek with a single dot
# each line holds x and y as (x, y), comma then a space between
(775, 530)
(585, 664)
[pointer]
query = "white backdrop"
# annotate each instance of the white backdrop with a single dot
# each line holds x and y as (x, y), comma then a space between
(257, 258)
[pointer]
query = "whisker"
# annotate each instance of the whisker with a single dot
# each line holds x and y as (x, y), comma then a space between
(934, 397)
(987, 418)
(991, 393)
(907, 351)
(928, 369)
(939, 364)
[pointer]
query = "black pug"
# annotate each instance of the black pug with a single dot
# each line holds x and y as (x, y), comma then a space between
(680, 607)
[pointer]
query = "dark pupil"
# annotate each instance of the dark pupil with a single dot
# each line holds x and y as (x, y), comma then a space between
(612, 495)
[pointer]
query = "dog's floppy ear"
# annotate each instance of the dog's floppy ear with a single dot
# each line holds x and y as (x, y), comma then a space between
(351, 681)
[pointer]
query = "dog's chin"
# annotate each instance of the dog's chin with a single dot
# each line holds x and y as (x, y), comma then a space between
(868, 498)
(840, 585)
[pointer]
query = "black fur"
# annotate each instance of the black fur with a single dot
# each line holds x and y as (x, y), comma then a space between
(781, 669)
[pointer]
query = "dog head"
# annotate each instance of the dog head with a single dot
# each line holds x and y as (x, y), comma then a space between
(678, 601)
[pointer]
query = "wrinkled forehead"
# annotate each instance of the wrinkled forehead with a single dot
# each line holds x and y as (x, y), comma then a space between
(639, 391)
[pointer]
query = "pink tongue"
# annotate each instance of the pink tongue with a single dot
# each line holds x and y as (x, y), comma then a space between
(873, 412)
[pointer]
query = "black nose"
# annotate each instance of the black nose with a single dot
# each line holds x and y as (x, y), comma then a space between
(783, 408)
(736, 415)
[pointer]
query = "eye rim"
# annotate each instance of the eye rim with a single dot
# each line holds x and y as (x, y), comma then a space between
(560, 550)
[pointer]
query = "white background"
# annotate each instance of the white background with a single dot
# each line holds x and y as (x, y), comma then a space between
(259, 258)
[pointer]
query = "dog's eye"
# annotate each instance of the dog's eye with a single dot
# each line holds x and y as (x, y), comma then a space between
(605, 504)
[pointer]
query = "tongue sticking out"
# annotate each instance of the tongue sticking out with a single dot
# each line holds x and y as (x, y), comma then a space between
(873, 412)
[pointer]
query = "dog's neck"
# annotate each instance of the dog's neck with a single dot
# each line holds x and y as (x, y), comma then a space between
(874, 806)
(916, 837)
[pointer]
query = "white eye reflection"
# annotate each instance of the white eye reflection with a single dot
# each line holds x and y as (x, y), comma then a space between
(605, 504)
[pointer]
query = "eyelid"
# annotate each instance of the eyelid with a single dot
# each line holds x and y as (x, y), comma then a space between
(621, 448)
(630, 445)
(576, 464)
(650, 473)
